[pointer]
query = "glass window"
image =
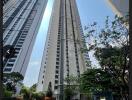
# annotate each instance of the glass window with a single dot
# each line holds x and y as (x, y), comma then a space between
(57, 71)
(9, 64)
(57, 67)
(7, 69)
(56, 87)
(56, 81)
(56, 76)
(57, 63)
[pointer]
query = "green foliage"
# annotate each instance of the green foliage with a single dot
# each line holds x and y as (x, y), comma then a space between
(10, 86)
(8, 93)
(30, 93)
(72, 86)
(38, 95)
(68, 93)
(33, 88)
(49, 92)
(111, 46)
(95, 80)
(72, 82)
(25, 91)
(15, 76)
(110, 56)
(114, 33)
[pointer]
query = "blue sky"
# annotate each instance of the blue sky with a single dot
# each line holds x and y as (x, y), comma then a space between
(89, 10)
(94, 11)
(32, 72)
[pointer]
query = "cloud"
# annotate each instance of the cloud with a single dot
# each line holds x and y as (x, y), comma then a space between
(34, 63)
(32, 73)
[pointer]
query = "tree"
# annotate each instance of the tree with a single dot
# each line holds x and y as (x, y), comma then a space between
(111, 46)
(72, 86)
(25, 91)
(95, 81)
(38, 95)
(33, 87)
(30, 93)
(49, 92)
(10, 81)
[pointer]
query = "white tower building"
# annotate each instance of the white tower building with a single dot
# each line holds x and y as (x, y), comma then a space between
(62, 55)
(21, 21)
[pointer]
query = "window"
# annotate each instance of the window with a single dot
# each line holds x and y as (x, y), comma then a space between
(67, 63)
(57, 63)
(18, 45)
(20, 42)
(57, 71)
(56, 81)
(58, 42)
(58, 45)
(78, 71)
(56, 76)
(21, 39)
(7, 69)
(11, 60)
(9, 64)
(17, 48)
(15, 56)
(23, 36)
(57, 59)
(56, 87)
(67, 75)
(57, 55)
(58, 51)
(58, 48)
(57, 67)
(58, 38)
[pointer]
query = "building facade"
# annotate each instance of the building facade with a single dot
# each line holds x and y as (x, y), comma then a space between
(120, 7)
(62, 55)
(21, 21)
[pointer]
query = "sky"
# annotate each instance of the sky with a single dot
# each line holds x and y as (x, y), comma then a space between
(90, 11)
(94, 11)
(33, 68)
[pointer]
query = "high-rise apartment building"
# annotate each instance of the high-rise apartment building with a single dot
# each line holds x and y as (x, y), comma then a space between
(21, 21)
(120, 7)
(62, 55)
